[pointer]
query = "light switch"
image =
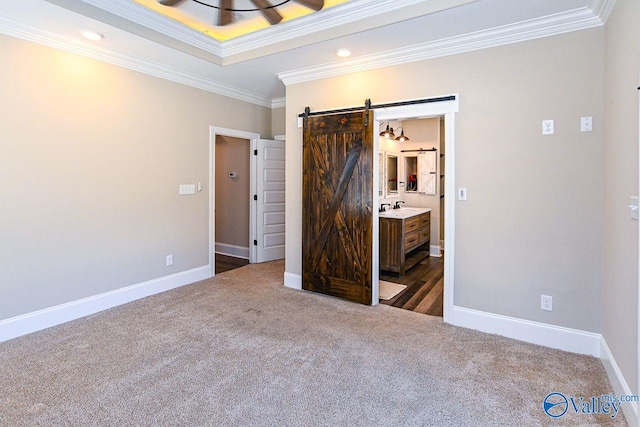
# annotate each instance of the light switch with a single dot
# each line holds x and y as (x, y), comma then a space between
(633, 208)
(462, 194)
(187, 189)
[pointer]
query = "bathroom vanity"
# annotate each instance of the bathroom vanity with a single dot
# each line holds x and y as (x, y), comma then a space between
(404, 238)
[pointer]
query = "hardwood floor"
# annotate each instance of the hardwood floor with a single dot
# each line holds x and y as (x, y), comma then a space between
(226, 263)
(425, 287)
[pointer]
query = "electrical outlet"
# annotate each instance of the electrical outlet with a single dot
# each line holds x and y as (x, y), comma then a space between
(586, 124)
(548, 127)
(546, 302)
(169, 260)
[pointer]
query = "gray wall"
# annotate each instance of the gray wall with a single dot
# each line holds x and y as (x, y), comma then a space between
(232, 195)
(532, 224)
(620, 285)
(91, 157)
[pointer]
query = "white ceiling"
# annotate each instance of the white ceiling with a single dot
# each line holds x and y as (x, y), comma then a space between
(252, 67)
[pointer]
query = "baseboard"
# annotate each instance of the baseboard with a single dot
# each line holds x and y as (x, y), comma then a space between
(620, 386)
(293, 281)
(232, 250)
(435, 251)
(573, 340)
(52, 316)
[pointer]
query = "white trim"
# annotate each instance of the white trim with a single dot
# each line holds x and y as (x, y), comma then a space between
(552, 336)
(293, 281)
(52, 316)
(279, 102)
(448, 109)
(27, 32)
(618, 382)
(449, 213)
(551, 25)
(602, 8)
(232, 250)
(253, 140)
(434, 250)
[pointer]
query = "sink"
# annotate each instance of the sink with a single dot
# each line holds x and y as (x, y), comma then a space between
(393, 214)
(405, 209)
(405, 212)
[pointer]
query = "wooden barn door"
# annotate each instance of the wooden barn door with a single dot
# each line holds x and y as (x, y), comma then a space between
(337, 215)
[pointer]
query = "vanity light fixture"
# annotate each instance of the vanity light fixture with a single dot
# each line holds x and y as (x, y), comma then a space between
(388, 133)
(92, 35)
(343, 53)
(402, 138)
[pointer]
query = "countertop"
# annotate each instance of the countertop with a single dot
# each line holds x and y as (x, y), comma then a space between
(403, 213)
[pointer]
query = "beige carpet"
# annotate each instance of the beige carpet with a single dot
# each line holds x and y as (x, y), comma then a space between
(242, 350)
(389, 290)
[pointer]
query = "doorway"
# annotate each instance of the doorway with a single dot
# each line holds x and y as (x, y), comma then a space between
(232, 201)
(266, 181)
(447, 111)
(413, 278)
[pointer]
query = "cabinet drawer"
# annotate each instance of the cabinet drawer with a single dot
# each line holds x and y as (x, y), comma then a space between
(424, 219)
(411, 224)
(423, 235)
(411, 239)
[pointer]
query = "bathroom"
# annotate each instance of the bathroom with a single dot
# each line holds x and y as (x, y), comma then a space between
(411, 156)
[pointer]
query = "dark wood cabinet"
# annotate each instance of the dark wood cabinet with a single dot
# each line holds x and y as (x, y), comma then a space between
(404, 242)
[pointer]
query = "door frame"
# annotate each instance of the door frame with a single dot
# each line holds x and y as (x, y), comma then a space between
(253, 144)
(448, 109)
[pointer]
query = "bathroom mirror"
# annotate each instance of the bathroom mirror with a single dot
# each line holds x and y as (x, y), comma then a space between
(411, 174)
(391, 169)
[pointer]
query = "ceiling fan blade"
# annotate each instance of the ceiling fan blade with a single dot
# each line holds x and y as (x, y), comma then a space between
(225, 14)
(170, 2)
(268, 11)
(312, 4)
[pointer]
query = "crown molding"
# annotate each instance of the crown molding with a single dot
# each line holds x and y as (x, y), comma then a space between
(322, 25)
(278, 102)
(602, 8)
(346, 13)
(27, 32)
(578, 19)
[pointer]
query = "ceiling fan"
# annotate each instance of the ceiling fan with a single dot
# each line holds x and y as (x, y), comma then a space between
(226, 9)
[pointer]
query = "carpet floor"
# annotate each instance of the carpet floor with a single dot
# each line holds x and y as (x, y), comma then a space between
(240, 349)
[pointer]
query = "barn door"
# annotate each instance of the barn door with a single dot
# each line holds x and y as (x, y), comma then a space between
(337, 215)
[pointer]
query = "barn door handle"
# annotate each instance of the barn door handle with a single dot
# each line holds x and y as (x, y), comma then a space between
(367, 107)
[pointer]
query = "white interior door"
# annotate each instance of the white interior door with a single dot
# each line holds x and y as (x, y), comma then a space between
(270, 200)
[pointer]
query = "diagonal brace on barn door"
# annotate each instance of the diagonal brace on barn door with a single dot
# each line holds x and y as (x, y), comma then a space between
(328, 191)
(341, 189)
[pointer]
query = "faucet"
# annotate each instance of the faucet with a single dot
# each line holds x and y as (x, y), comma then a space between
(382, 207)
(397, 205)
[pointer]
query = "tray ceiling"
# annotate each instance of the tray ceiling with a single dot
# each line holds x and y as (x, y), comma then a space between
(244, 16)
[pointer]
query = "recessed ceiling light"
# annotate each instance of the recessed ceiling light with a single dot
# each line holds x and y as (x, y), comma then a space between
(92, 35)
(343, 53)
